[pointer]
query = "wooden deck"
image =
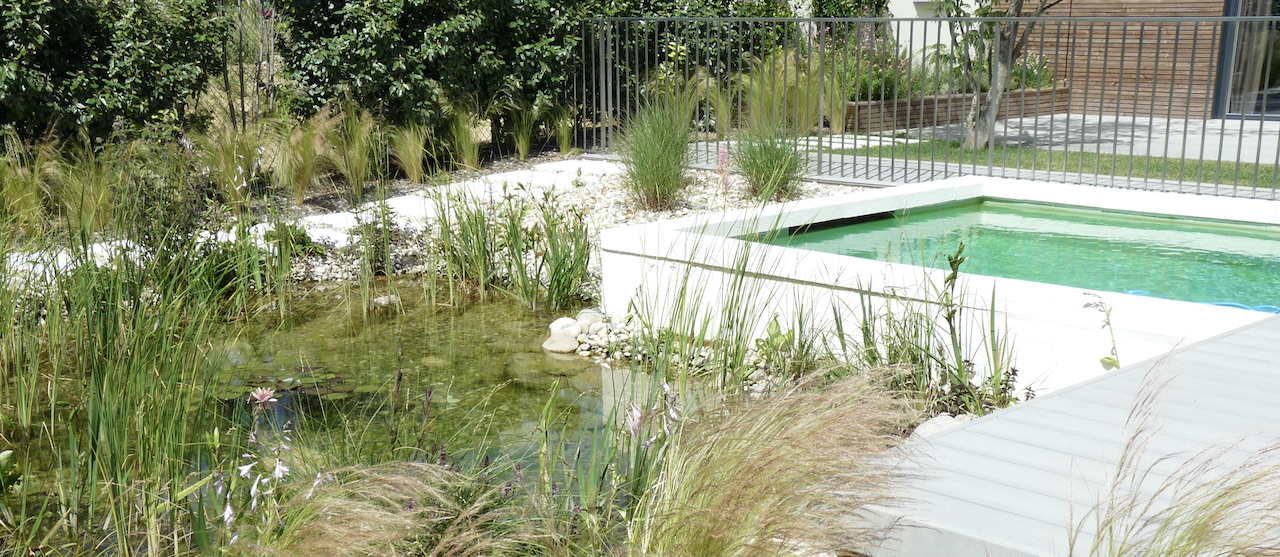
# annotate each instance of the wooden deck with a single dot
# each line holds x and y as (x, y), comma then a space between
(1008, 484)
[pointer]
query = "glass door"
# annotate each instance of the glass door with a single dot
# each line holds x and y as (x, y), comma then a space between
(1255, 64)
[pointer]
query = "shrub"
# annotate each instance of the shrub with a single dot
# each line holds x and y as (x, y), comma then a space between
(407, 60)
(771, 161)
(655, 153)
(66, 66)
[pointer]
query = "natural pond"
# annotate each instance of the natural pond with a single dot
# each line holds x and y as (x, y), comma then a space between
(478, 364)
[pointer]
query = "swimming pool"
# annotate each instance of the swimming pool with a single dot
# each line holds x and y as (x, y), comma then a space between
(1056, 328)
(1193, 260)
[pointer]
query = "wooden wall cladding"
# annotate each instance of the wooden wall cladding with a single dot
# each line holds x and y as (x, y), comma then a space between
(939, 110)
(1162, 69)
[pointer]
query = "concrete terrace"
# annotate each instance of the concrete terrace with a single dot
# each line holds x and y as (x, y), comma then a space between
(1009, 484)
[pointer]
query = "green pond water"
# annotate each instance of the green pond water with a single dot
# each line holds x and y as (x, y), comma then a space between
(1180, 259)
(481, 362)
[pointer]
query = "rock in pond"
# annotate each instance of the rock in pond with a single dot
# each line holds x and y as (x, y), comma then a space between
(564, 336)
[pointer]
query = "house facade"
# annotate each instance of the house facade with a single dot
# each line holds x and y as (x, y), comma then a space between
(1193, 68)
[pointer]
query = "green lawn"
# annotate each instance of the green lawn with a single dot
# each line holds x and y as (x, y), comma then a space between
(1076, 162)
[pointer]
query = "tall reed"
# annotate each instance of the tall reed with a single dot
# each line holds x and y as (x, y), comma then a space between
(469, 241)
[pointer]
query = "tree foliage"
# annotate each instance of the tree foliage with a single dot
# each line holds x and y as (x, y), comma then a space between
(67, 64)
(406, 58)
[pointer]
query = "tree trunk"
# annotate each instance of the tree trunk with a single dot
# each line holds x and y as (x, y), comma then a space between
(982, 121)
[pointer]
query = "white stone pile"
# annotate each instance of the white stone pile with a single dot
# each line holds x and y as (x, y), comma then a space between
(591, 335)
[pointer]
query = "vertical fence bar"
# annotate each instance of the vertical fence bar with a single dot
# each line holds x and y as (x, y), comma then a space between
(1235, 178)
(1102, 99)
(1151, 113)
(1186, 110)
(1222, 124)
(1116, 132)
(1133, 118)
(1204, 113)
(1262, 114)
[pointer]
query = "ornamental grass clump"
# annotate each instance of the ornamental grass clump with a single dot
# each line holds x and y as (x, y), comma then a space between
(771, 161)
(655, 153)
(758, 476)
(409, 149)
(1218, 501)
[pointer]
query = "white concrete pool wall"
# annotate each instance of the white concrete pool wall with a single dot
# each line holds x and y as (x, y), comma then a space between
(1056, 340)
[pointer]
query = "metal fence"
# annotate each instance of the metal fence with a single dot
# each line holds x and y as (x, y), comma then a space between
(1171, 104)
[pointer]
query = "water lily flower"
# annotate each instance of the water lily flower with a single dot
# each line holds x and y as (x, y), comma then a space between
(262, 395)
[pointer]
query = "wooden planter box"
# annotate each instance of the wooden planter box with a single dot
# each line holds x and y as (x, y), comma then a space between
(941, 110)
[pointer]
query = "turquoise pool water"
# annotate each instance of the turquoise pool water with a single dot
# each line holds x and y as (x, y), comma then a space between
(1179, 259)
